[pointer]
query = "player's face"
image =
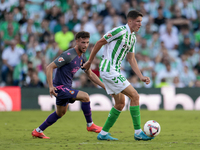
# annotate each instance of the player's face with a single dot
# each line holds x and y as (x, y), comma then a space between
(135, 24)
(83, 44)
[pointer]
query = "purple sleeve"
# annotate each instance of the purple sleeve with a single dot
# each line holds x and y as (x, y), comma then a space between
(63, 59)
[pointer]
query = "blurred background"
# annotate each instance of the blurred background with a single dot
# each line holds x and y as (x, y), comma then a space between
(34, 32)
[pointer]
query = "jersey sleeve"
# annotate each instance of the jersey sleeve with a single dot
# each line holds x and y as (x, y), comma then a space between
(63, 59)
(114, 34)
(132, 50)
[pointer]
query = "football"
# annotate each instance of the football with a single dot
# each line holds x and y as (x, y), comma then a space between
(152, 128)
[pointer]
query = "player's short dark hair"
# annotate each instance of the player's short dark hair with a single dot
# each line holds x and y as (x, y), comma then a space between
(133, 14)
(82, 34)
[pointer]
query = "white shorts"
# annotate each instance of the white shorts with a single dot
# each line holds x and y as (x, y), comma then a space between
(114, 82)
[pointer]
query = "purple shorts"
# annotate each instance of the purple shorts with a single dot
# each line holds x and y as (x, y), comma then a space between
(65, 95)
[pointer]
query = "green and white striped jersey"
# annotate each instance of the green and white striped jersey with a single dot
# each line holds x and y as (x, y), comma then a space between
(120, 42)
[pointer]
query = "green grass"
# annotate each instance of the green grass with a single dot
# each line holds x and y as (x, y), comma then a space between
(179, 131)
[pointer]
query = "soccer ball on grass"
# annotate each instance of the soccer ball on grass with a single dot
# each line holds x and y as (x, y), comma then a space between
(152, 128)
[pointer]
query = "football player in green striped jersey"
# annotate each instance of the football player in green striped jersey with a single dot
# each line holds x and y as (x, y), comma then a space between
(120, 43)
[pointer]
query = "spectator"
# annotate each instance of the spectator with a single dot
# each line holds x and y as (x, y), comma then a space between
(153, 78)
(135, 82)
(154, 45)
(61, 22)
(85, 25)
(9, 20)
(168, 74)
(178, 19)
(51, 51)
(143, 47)
(151, 6)
(8, 35)
(73, 12)
(163, 83)
(20, 71)
(105, 12)
(25, 27)
(35, 82)
(188, 10)
(197, 83)
(177, 83)
(160, 19)
(4, 6)
(185, 46)
(22, 4)
(37, 58)
(48, 4)
(188, 77)
(24, 17)
(170, 38)
(63, 38)
(98, 5)
(197, 67)
(185, 31)
(17, 14)
(72, 22)
(52, 17)
(197, 37)
(166, 11)
(11, 57)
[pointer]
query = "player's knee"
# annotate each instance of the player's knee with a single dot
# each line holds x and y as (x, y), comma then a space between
(120, 106)
(60, 114)
(135, 97)
(86, 97)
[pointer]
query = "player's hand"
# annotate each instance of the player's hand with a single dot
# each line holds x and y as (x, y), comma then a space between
(52, 91)
(145, 79)
(86, 66)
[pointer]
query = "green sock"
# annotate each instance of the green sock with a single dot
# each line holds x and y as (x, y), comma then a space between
(112, 117)
(135, 114)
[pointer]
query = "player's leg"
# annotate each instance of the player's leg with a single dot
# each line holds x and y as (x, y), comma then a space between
(112, 117)
(135, 112)
(85, 106)
(51, 119)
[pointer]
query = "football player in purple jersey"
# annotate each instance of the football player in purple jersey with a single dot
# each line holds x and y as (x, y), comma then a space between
(67, 64)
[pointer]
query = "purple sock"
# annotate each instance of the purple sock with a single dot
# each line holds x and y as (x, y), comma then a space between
(85, 106)
(52, 118)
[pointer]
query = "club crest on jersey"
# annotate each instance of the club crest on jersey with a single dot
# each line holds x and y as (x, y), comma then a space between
(71, 92)
(109, 35)
(81, 62)
(60, 59)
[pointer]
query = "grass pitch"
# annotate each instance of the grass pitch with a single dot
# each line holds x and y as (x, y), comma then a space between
(179, 131)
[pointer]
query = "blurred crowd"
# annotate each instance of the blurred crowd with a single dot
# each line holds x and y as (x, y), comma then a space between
(34, 32)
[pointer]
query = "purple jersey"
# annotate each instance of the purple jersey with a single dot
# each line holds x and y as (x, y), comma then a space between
(68, 64)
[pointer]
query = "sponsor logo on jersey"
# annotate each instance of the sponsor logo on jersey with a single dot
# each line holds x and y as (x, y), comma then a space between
(81, 62)
(124, 46)
(60, 59)
(109, 35)
(72, 92)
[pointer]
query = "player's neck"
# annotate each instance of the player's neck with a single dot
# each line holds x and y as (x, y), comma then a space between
(77, 51)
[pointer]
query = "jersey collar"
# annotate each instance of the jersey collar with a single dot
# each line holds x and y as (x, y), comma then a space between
(129, 31)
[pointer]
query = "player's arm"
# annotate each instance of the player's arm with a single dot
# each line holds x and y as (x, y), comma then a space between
(49, 74)
(132, 61)
(96, 48)
(94, 78)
